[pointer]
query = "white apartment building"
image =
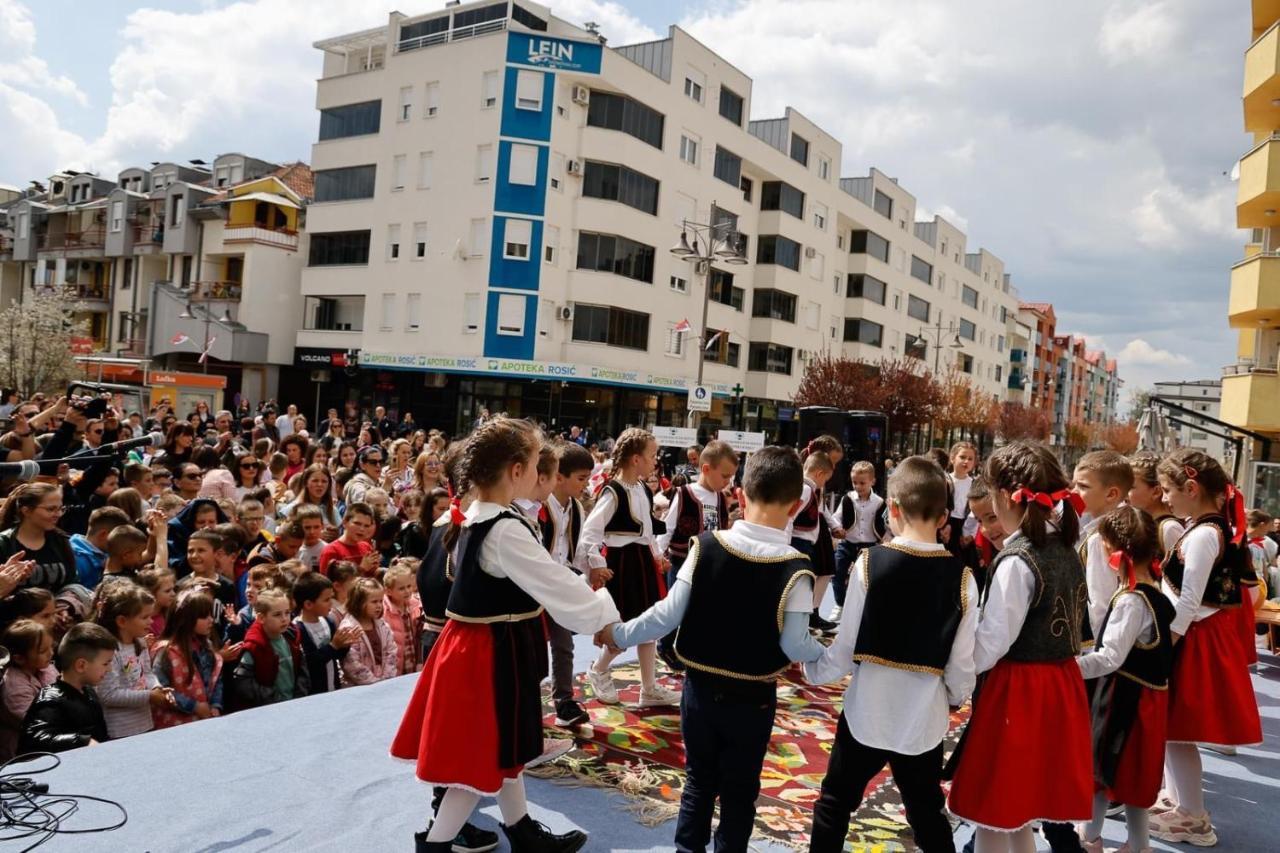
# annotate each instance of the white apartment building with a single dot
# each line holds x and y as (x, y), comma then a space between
(496, 194)
(1203, 396)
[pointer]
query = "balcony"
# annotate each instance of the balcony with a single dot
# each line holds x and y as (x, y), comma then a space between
(1259, 193)
(6, 248)
(455, 34)
(1262, 81)
(214, 291)
(1251, 396)
(1255, 291)
(92, 241)
(148, 237)
(283, 238)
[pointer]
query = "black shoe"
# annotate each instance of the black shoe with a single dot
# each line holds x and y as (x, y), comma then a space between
(422, 845)
(568, 714)
(473, 839)
(817, 623)
(529, 836)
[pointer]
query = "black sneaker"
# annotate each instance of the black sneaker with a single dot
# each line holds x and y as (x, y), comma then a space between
(529, 836)
(473, 839)
(422, 845)
(569, 713)
(817, 623)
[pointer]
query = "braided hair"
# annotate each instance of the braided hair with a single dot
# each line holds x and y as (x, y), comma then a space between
(487, 454)
(1130, 531)
(1032, 466)
(633, 442)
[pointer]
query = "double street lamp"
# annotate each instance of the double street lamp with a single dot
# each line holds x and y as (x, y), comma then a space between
(703, 244)
(939, 332)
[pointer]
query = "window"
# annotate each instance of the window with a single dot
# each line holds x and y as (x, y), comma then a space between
(817, 266)
(529, 90)
(800, 149)
(558, 167)
(350, 120)
(489, 90)
(345, 184)
(471, 307)
(675, 340)
(921, 270)
(969, 296)
(601, 324)
(824, 167)
(694, 82)
(869, 243)
(883, 205)
(177, 209)
(397, 173)
(23, 219)
(617, 255)
(479, 236)
(965, 362)
(689, 149)
(731, 105)
(550, 244)
(728, 167)
(519, 233)
(117, 216)
(511, 314)
(836, 281)
(413, 312)
(820, 216)
(915, 346)
(530, 20)
(333, 313)
(472, 17)
(812, 316)
(339, 248)
(769, 358)
(424, 170)
(863, 331)
(406, 103)
(618, 183)
(546, 317)
(679, 285)
(775, 249)
(413, 36)
(917, 308)
(388, 311)
(523, 169)
(777, 195)
(720, 350)
(484, 164)
(1000, 344)
(773, 305)
(745, 185)
(618, 112)
(419, 240)
(866, 287)
(432, 100)
(393, 242)
(722, 290)
(967, 329)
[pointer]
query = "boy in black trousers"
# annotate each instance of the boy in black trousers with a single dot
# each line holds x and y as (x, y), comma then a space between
(740, 620)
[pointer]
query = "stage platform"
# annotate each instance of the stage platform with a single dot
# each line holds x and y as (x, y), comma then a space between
(314, 775)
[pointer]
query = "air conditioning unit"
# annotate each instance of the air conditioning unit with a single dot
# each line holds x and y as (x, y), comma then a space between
(565, 312)
(810, 252)
(574, 167)
(581, 95)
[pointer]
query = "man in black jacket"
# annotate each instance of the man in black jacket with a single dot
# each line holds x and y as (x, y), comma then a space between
(67, 714)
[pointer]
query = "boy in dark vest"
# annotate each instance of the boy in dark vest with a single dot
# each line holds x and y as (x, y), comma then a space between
(908, 627)
(560, 523)
(695, 509)
(743, 617)
(862, 517)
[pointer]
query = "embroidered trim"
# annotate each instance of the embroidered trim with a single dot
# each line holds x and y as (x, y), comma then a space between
(964, 590)
(918, 552)
(794, 555)
(728, 673)
(489, 620)
(893, 664)
(786, 593)
(1141, 681)
(448, 566)
(865, 560)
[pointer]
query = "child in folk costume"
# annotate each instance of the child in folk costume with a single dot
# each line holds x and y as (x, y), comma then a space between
(963, 458)
(1025, 754)
(861, 516)
(618, 536)
(812, 526)
(988, 539)
(1147, 496)
(1102, 480)
(1211, 699)
(1128, 670)
(475, 718)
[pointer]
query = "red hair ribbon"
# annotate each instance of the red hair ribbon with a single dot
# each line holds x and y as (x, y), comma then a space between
(1048, 500)
(986, 548)
(1234, 509)
(1120, 560)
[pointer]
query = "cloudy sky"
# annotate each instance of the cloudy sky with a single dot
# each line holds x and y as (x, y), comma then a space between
(1084, 143)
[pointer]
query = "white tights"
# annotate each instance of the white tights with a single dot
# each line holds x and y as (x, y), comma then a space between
(1136, 822)
(648, 667)
(991, 841)
(459, 803)
(1185, 775)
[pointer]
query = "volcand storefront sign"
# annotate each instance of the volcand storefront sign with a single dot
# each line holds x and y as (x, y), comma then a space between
(515, 368)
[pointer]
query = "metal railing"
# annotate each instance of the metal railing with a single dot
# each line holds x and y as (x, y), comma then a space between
(457, 34)
(259, 233)
(1245, 367)
(214, 291)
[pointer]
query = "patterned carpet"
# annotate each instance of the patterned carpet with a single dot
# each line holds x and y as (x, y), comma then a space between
(640, 753)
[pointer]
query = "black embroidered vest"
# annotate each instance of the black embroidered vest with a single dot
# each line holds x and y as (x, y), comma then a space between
(733, 625)
(914, 603)
(1054, 628)
(1148, 664)
(478, 596)
(434, 579)
(626, 519)
(1231, 570)
(807, 519)
(547, 526)
(689, 520)
(849, 515)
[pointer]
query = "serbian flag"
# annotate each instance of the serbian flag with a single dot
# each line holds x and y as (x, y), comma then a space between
(179, 339)
(713, 340)
(204, 356)
(682, 327)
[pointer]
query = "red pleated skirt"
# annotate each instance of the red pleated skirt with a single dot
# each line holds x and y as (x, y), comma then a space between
(1211, 698)
(1140, 768)
(450, 729)
(1028, 753)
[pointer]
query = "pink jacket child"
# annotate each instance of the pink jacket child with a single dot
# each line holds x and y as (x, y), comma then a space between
(20, 690)
(406, 627)
(365, 665)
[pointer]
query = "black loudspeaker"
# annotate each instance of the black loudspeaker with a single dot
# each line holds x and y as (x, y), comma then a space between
(863, 434)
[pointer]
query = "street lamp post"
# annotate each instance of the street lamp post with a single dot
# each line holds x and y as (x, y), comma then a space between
(702, 244)
(951, 330)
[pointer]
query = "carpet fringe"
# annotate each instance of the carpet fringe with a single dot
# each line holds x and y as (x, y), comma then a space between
(630, 780)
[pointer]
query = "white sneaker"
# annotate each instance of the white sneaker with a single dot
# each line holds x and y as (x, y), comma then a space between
(602, 686)
(835, 615)
(552, 748)
(658, 697)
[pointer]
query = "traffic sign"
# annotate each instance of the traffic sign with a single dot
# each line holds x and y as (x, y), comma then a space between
(743, 442)
(673, 436)
(699, 398)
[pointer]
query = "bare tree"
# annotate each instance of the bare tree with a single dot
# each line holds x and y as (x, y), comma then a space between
(36, 339)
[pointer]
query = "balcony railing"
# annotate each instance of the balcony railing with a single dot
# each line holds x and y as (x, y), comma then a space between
(285, 238)
(457, 34)
(1245, 367)
(92, 238)
(214, 291)
(6, 246)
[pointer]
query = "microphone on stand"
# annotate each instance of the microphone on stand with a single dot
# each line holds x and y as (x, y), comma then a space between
(28, 469)
(151, 439)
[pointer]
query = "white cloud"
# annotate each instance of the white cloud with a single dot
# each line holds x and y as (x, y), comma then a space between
(1144, 31)
(1140, 353)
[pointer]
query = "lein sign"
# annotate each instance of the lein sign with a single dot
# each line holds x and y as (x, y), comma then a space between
(553, 54)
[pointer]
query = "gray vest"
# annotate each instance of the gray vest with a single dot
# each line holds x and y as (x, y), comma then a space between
(1055, 623)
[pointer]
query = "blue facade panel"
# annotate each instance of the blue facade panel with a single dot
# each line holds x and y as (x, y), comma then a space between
(509, 346)
(520, 198)
(528, 124)
(509, 272)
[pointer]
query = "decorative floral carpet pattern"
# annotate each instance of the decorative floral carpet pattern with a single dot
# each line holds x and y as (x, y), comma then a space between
(639, 752)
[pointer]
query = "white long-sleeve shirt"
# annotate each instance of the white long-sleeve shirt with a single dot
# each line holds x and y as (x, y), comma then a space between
(509, 551)
(1100, 579)
(810, 535)
(125, 692)
(960, 491)
(1199, 550)
(710, 502)
(863, 529)
(594, 537)
(1009, 594)
(1171, 531)
(889, 708)
(1131, 620)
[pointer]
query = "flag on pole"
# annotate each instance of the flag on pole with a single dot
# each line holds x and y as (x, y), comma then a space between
(179, 339)
(713, 339)
(204, 356)
(682, 327)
